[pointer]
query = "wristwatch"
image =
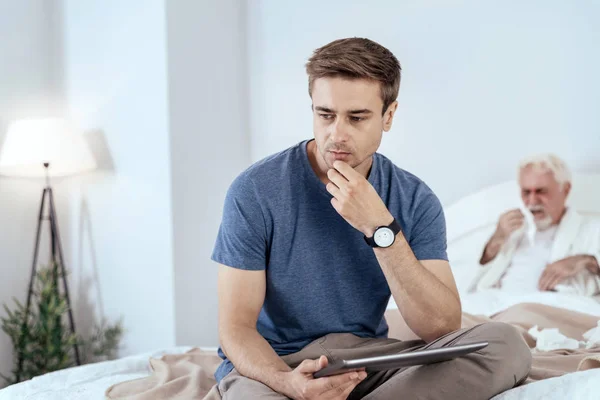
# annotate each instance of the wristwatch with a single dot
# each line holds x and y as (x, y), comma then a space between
(384, 236)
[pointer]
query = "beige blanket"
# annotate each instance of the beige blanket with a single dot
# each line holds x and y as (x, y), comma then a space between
(570, 323)
(190, 375)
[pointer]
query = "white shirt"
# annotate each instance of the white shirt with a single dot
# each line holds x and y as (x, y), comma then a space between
(528, 262)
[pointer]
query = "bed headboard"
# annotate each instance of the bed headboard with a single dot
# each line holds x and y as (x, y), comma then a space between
(471, 220)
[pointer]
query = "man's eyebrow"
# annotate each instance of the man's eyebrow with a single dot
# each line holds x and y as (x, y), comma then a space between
(329, 110)
(325, 109)
(363, 111)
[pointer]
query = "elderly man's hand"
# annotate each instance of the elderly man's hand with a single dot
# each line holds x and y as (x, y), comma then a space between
(560, 270)
(509, 222)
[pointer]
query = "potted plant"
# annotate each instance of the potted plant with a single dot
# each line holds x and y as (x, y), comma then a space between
(42, 342)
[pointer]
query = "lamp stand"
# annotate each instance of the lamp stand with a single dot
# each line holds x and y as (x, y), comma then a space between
(57, 260)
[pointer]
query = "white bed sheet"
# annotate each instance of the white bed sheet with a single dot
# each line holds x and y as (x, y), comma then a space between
(582, 385)
(91, 381)
(491, 301)
(85, 382)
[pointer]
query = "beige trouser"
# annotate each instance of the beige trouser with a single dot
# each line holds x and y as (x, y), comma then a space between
(502, 365)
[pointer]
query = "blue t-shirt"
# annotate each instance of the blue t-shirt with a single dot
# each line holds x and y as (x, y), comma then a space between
(322, 277)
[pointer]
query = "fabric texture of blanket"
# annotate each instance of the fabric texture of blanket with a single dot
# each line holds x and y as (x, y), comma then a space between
(190, 375)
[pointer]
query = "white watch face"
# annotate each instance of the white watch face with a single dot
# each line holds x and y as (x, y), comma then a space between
(384, 237)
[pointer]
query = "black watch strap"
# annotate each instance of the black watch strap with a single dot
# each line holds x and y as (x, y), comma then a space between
(394, 226)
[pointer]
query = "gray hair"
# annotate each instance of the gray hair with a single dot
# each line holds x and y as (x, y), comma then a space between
(549, 162)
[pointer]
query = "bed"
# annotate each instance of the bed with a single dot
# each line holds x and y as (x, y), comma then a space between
(470, 221)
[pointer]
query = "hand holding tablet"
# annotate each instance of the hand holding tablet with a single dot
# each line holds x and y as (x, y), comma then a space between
(393, 361)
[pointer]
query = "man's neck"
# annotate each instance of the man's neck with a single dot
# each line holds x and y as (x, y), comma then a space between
(562, 215)
(320, 167)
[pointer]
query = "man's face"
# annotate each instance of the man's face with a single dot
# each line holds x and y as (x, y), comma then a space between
(543, 195)
(347, 119)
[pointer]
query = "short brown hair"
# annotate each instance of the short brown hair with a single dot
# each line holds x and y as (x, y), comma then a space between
(357, 58)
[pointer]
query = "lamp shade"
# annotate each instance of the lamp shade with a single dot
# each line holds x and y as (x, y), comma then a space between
(31, 143)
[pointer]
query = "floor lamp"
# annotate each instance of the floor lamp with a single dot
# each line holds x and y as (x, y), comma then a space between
(46, 148)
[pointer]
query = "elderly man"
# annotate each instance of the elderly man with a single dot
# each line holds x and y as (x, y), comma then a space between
(545, 245)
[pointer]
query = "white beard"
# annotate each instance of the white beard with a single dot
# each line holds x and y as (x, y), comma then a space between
(544, 224)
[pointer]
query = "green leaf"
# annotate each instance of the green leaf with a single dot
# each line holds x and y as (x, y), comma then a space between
(42, 338)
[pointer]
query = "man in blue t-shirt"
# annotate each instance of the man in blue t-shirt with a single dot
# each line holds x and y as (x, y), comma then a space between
(315, 239)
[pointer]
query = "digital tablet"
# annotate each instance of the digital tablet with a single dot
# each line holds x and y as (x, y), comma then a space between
(392, 361)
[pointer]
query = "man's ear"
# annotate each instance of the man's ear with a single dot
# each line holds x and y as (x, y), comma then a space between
(567, 188)
(388, 116)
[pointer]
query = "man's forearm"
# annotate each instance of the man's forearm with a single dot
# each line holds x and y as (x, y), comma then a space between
(253, 357)
(590, 262)
(492, 248)
(428, 307)
(593, 265)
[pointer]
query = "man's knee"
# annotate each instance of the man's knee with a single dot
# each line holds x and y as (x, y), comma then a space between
(507, 352)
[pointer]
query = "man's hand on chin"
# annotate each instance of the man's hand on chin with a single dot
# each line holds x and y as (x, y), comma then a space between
(355, 199)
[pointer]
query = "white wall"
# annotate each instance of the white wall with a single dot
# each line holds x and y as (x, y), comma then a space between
(28, 84)
(143, 218)
(209, 147)
(484, 83)
(121, 233)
